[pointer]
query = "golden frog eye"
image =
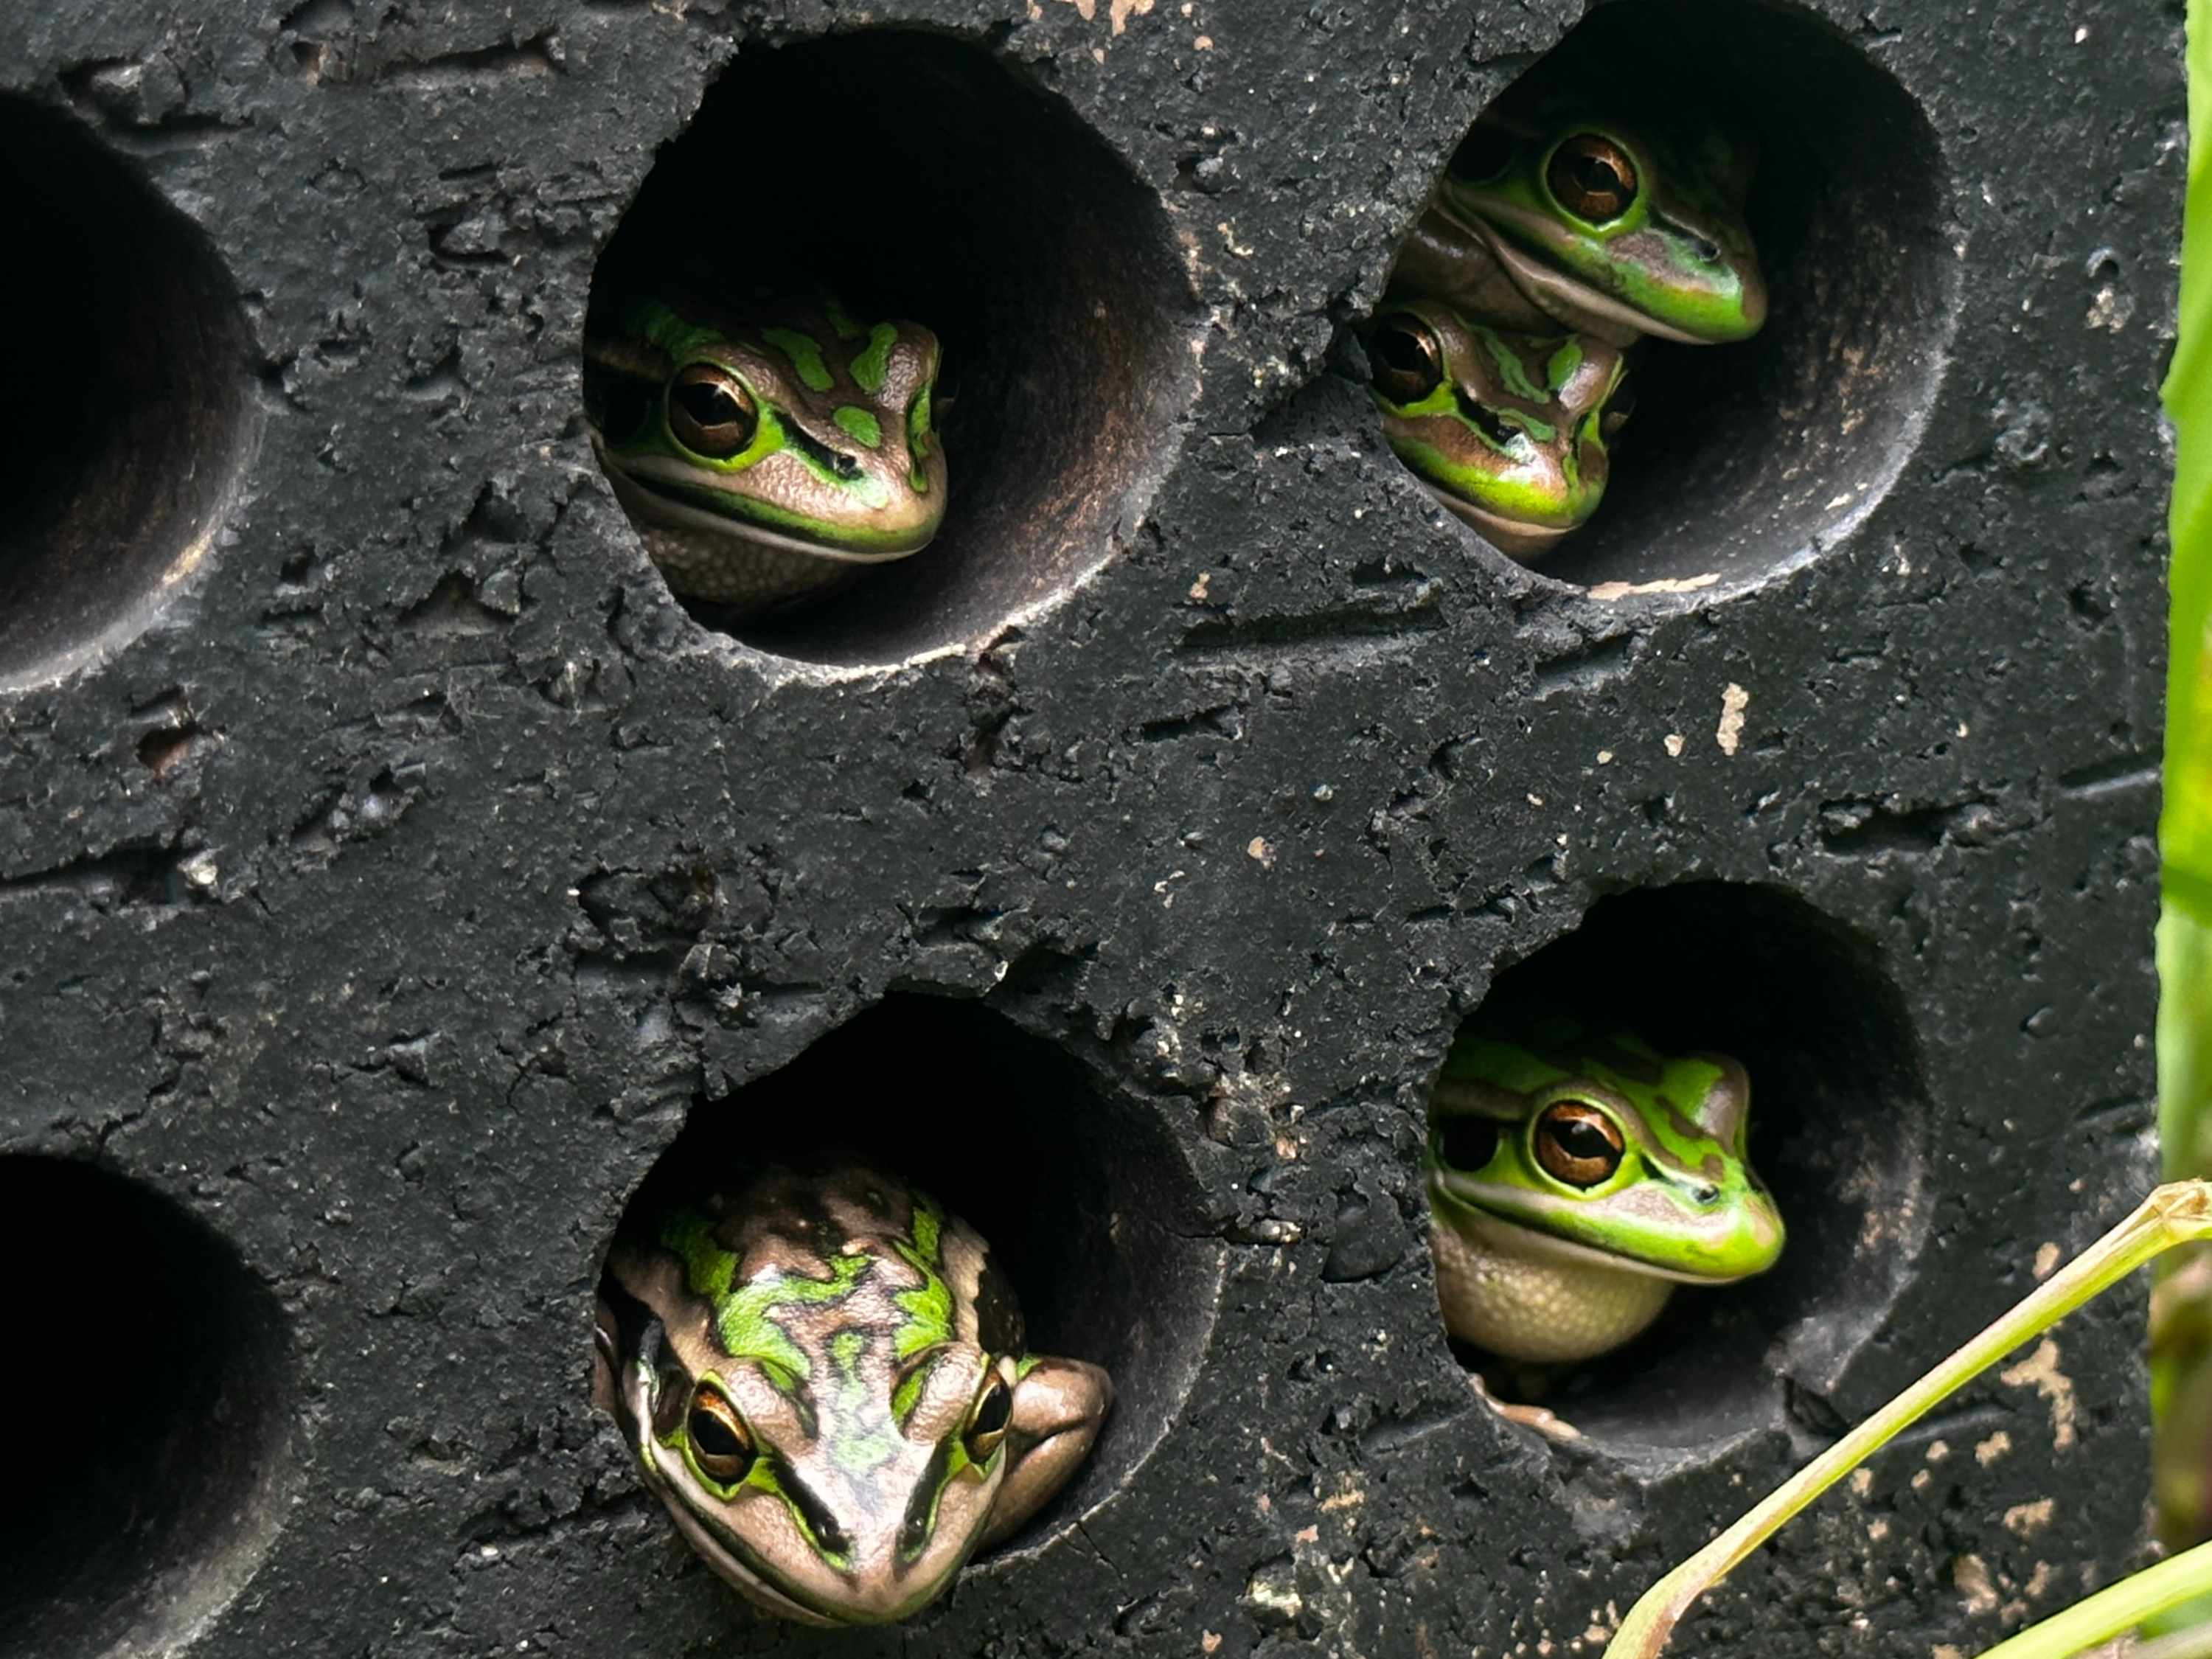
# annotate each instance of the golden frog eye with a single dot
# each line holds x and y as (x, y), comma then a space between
(987, 1423)
(1482, 154)
(1577, 1143)
(1592, 178)
(721, 1444)
(1618, 408)
(710, 412)
(1403, 361)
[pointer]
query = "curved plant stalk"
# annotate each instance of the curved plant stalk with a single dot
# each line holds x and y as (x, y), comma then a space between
(2175, 1214)
(2114, 1608)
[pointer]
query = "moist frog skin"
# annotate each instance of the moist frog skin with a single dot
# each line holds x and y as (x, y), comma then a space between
(822, 1374)
(769, 453)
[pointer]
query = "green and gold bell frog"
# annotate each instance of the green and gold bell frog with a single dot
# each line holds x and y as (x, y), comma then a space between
(822, 1374)
(1553, 217)
(1574, 1178)
(769, 454)
(1508, 430)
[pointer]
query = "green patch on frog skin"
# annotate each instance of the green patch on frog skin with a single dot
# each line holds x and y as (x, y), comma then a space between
(957, 1463)
(872, 362)
(928, 1305)
(806, 356)
(743, 1325)
(859, 425)
(847, 325)
(1565, 361)
(668, 329)
(857, 1451)
(1507, 361)
(1523, 503)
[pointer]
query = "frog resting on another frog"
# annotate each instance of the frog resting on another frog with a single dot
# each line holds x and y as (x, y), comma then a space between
(769, 452)
(822, 1374)
(1560, 226)
(1575, 1177)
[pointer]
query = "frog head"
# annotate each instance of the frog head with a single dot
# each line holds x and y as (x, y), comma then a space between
(1604, 1149)
(1508, 431)
(1613, 227)
(789, 435)
(813, 1403)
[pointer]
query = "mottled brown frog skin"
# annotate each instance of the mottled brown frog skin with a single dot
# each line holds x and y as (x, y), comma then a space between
(822, 1374)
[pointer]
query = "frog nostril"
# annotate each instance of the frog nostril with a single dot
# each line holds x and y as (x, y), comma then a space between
(1705, 1194)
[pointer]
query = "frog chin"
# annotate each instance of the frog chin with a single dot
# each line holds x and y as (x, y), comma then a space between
(1502, 1233)
(1571, 302)
(640, 496)
(1526, 542)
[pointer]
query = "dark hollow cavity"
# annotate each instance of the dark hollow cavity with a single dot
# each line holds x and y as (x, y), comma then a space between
(971, 201)
(1839, 1119)
(153, 1391)
(132, 415)
(1079, 1189)
(1744, 458)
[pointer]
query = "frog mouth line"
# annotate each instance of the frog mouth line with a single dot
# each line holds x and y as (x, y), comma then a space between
(1527, 1241)
(1569, 301)
(665, 505)
(1514, 535)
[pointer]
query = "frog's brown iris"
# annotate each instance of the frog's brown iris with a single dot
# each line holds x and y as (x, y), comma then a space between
(1592, 178)
(987, 1423)
(1405, 363)
(719, 1441)
(1577, 1143)
(710, 412)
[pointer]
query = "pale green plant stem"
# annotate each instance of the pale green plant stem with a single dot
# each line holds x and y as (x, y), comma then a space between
(2114, 1608)
(2175, 1214)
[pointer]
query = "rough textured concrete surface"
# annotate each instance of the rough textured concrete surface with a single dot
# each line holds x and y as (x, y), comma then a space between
(392, 871)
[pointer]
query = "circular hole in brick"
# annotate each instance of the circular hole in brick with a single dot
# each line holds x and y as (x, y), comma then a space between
(1079, 1191)
(1745, 458)
(1837, 1122)
(132, 413)
(979, 206)
(153, 1391)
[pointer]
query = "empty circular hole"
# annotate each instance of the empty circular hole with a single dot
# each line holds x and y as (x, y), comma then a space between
(153, 1383)
(1837, 1119)
(950, 191)
(1079, 1191)
(1743, 458)
(132, 413)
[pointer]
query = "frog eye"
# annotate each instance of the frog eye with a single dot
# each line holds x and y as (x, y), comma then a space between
(1592, 178)
(1405, 362)
(1618, 408)
(721, 1444)
(1482, 154)
(1577, 1143)
(987, 1423)
(710, 412)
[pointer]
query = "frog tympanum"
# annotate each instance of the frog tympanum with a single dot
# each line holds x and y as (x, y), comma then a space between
(822, 1374)
(767, 453)
(1575, 1177)
(1561, 227)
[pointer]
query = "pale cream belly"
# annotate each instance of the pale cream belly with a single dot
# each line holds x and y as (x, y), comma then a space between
(1537, 1308)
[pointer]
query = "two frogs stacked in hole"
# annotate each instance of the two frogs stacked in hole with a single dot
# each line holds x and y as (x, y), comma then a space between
(822, 1374)
(1562, 234)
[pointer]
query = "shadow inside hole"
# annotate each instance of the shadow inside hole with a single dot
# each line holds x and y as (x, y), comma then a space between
(152, 1395)
(948, 191)
(1741, 458)
(131, 417)
(1082, 1196)
(1837, 1126)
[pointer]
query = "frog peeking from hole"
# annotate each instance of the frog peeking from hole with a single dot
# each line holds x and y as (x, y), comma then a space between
(1575, 1177)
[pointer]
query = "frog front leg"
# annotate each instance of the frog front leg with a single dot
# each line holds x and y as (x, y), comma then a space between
(1058, 1406)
